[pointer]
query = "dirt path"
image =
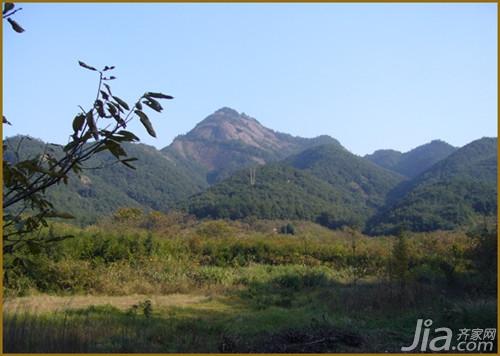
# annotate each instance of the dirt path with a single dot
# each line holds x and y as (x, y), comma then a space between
(46, 303)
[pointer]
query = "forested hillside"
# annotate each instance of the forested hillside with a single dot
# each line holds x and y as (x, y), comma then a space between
(106, 185)
(322, 181)
(460, 190)
(415, 161)
(266, 178)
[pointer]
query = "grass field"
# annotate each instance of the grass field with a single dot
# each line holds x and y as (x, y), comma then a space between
(218, 286)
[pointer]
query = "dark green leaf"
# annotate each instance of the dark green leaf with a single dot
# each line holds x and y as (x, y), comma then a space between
(108, 88)
(104, 95)
(126, 162)
(84, 65)
(145, 121)
(128, 165)
(158, 95)
(78, 122)
(153, 104)
(92, 125)
(128, 135)
(117, 106)
(99, 106)
(115, 149)
(7, 7)
(70, 145)
(121, 122)
(138, 106)
(76, 168)
(15, 26)
(5, 121)
(112, 109)
(121, 102)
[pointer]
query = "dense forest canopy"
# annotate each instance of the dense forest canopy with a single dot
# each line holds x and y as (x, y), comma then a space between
(231, 167)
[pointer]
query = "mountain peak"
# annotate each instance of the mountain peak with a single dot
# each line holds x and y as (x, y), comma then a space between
(438, 141)
(226, 111)
(228, 116)
(227, 140)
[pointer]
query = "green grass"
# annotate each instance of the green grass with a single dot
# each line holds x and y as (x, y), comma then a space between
(241, 322)
(244, 288)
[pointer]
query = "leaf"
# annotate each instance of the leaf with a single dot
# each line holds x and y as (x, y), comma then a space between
(70, 145)
(78, 122)
(127, 135)
(99, 106)
(138, 106)
(115, 149)
(76, 168)
(7, 7)
(104, 95)
(117, 106)
(153, 104)
(120, 121)
(158, 95)
(125, 162)
(5, 121)
(108, 88)
(112, 110)
(92, 125)
(121, 102)
(86, 136)
(145, 121)
(15, 26)
(86, 66)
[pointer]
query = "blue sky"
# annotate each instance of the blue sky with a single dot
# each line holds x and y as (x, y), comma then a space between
(372, 76)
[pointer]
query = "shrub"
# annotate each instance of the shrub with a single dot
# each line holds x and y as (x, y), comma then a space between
(287, 229)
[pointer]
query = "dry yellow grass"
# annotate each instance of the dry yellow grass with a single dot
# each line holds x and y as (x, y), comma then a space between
(48, 303)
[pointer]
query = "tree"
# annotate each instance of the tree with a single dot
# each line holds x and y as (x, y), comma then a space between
(8, 11)
(99, 128)
(484, 255)
(399, 264)
(287, 229)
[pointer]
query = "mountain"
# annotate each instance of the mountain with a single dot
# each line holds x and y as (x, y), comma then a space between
(230, 166)
(156, 183)
(385, 158)
(414, 162)
(459, 190)
(227, 141)
(358, 178)
(321, 180)
(279, 192)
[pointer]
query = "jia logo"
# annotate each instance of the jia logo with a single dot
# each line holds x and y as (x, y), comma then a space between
(471, 340)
